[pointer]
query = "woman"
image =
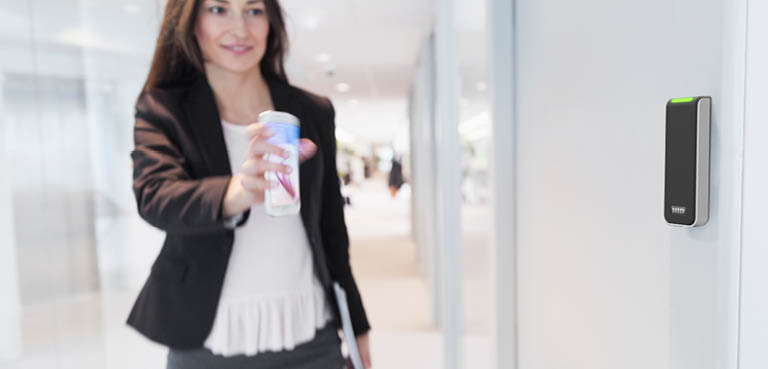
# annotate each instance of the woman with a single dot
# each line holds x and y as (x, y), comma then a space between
(233, 287)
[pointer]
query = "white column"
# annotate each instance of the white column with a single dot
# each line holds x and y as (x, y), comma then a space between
(424, 173)
(501, 18)
(730, 181)
(753, 330)
(448, 184)
(10, 302)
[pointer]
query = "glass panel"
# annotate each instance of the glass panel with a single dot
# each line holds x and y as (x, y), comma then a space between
(70, 76)
(474, 131)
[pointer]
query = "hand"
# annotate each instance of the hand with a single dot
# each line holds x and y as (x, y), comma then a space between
(247, 188)
(364, 347)
(255, 165)
(260, 132)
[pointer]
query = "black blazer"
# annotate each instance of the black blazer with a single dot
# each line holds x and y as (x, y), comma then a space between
(180, 174)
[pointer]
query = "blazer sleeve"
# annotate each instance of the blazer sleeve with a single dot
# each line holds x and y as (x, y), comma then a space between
(334, 229)
(166, 195)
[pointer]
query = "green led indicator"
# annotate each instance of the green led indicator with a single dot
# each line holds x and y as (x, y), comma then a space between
(681, 100)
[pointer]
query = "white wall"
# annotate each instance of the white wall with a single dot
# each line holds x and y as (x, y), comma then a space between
(603, 281)
(754, 299)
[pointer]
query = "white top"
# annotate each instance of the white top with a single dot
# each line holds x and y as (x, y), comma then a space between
(271, 299)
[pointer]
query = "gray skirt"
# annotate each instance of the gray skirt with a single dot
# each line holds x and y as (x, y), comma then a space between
(323, 352)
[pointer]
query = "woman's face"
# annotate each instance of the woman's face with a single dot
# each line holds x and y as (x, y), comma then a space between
(232, 34)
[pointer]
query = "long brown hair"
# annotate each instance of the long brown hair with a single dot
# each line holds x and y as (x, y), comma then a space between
(177, 59)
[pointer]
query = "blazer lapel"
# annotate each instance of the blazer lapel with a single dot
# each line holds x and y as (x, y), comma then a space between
(203, 116)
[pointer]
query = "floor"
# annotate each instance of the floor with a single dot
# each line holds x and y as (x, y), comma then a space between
(88, 330)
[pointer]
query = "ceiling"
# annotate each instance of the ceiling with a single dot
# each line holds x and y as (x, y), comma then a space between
(370, 46)
(361, 53)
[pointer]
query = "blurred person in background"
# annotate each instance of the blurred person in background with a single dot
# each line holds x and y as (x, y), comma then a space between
(395, 177)
(233, 287)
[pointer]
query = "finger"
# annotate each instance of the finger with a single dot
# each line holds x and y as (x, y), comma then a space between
(258, 130)
(257, 167)
(254, 184)
(307, 149)
(257, 148)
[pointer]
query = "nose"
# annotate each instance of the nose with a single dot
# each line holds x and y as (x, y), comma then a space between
(238, 27)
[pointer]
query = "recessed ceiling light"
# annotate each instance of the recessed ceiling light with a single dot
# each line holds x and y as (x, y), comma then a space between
(342, 87)
(322, 58)
(131, 8)
(481, 86)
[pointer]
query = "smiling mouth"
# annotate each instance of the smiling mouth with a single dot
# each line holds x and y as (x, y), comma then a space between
(238, 49)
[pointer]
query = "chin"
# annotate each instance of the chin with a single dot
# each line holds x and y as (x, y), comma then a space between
(240, 67)
(237, 64)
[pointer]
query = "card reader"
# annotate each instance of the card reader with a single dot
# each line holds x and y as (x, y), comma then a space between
(686, 172)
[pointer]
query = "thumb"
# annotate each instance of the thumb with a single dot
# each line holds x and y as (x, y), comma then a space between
(307, 149)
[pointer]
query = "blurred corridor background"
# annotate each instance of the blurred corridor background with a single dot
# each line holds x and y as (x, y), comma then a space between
(529, 230)
(75, 252)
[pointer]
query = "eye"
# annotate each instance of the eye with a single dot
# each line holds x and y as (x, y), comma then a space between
(217, 10)
(255, 11)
